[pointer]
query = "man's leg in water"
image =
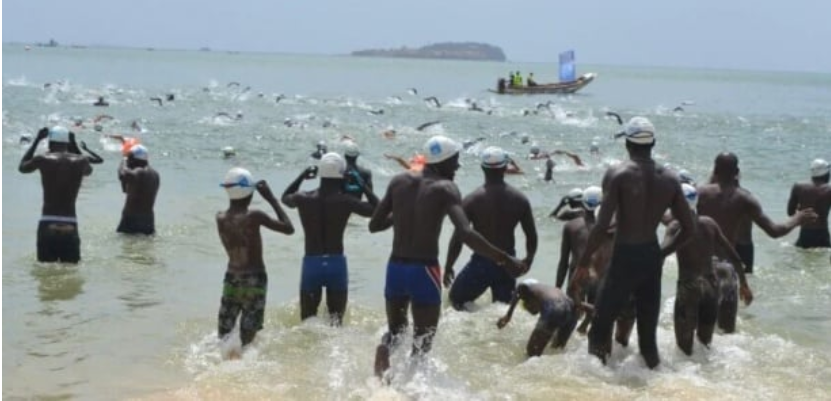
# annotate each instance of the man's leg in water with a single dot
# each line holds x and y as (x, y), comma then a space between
(336, 304)
(625, 322)
(309, 302)
(647, 308)
(396, 324)
(425, 322)
(707, 312)
(613, 293)
(685, 316)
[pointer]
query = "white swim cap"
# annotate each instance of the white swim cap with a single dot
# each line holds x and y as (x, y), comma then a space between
(820, 168)
(351, 149)
(228, 151)
(530, 281)
(639, 130)
(494, 157)
(238, 183)
(331, 165)
(139, 152)
(440, 148)
(59, 134)
(690, 194)
(575, 194)
(592, 198)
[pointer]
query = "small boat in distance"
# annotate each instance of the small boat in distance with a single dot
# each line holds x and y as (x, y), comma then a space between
(569, 83)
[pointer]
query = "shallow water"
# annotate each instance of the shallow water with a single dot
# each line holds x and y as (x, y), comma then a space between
(137, 317)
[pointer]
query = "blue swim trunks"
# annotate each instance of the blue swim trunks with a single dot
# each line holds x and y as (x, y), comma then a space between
(328, 271)
(420, 281)
(478, 275)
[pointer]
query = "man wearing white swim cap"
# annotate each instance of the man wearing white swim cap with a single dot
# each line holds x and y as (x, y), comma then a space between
(636, 192)
(574, 201)
(815, 195)
(246, 282)
(324, 213)
(558, 315)
(415, 206)
(701, 283)
(62, 170)
(141, 184)
(494, 209)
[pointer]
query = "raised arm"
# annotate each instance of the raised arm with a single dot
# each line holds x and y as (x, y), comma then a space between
(290, 195)
(29, 163)
(93, 157)
(399, 159)
(282, 224)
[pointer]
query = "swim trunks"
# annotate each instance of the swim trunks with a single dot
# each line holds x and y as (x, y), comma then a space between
(137, 224)
(635, 271)
(746, 253)
(58, 240)
(479, 274)
(728, 295)
(328, 271)
(813, 238)
(243, 293)
(418, 280)
(696, 304)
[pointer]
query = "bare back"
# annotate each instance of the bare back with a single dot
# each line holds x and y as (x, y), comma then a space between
(730, 206)
(324, 219)
(640, 192)
(141, 187)
(240, 234)
(419, 206)
(695, 259)
(61, 175)
(495, 210)
(815, 196)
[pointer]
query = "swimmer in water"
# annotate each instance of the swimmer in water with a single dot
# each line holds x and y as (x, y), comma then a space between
(558, 315)
(140, 182)
(101, 102)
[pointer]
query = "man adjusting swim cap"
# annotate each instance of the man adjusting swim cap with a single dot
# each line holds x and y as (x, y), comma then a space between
(238, 183)
(440, 148)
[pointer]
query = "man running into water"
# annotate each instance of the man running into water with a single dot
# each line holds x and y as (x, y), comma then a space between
(558, 315)
(141, 184)
(246, 282)
(324, 213)
(815, 195)
(697, 294)
(730, 206)
(415, 205)
(494, 209)
(62, 169)
(574, 239)
(636, 192)
(352, 185)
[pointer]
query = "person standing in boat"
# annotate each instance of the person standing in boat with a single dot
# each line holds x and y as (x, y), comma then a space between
(531, 81)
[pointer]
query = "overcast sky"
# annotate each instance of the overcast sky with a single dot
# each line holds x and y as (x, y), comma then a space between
(738, 34)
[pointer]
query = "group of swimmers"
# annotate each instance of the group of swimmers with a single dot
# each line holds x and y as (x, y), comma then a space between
(609, 250)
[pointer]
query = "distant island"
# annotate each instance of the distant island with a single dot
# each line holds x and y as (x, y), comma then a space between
(445, 50)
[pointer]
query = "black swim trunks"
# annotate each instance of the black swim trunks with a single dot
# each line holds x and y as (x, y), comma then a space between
(746, 253)
(635, 271)
(58, 240)
(137, 224)
(696, 306)
(813, 238)
(243, 294)
(478, 275)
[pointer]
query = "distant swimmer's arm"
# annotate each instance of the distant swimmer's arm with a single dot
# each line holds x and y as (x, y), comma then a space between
(116, 136)
(382, 218)
(529, 228)
(290, 195)
(282, 224)
(572, 156)
(504, 320)
(735, 260)
(565, 255)
(793, 202)
(399, 159)
(29, 163)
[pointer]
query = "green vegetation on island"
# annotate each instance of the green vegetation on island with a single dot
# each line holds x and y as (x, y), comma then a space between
(445, 50)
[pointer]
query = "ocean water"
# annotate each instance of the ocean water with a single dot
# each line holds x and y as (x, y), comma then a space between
(136, 318)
